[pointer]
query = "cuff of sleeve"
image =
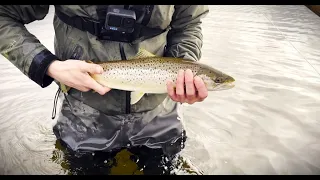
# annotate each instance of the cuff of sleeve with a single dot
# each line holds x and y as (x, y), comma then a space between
(39, 66)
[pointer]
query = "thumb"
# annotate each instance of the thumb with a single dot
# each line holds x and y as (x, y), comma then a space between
(91, 68)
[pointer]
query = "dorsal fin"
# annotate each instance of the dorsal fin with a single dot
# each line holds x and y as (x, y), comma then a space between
(142, 53)
(88, 61)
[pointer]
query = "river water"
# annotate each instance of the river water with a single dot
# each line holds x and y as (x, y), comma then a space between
(269, 123)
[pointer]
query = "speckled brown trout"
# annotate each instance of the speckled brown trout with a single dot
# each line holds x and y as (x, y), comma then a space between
(149, 74)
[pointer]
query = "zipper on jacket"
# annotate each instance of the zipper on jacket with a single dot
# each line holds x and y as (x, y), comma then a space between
(128, 93)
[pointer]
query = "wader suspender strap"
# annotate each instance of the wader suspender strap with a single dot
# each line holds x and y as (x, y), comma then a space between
(94, 27)
(80, 23)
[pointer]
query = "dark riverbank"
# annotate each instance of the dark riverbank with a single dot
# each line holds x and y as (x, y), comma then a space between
(314, 8)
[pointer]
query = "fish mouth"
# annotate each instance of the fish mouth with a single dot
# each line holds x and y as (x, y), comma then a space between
(224, 86)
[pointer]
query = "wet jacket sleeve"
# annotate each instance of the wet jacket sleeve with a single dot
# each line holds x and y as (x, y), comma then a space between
(185, 38)
(22, 48)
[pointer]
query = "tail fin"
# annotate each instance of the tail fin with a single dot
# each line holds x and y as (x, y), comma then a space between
(64, 88)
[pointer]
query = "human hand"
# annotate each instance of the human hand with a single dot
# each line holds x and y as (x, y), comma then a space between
(188, 89)
(74, 73)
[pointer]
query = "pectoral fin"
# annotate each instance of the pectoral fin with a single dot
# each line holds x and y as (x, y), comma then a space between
(136, 96)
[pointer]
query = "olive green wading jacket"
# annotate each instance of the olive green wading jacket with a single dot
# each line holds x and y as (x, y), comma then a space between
(88, 120)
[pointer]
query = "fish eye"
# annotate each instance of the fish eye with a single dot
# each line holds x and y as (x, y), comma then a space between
(218, 80)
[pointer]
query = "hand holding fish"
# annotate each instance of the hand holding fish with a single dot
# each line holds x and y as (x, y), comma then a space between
(74, 73)
(189, 89)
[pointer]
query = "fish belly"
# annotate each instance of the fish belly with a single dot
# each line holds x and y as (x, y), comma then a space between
(143, 82)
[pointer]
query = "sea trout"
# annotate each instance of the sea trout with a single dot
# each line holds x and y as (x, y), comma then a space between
(150, 74)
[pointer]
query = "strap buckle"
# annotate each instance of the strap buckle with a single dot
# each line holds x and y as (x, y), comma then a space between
(96, 28)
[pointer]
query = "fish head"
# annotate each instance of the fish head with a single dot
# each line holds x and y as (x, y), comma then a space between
(214, 79)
